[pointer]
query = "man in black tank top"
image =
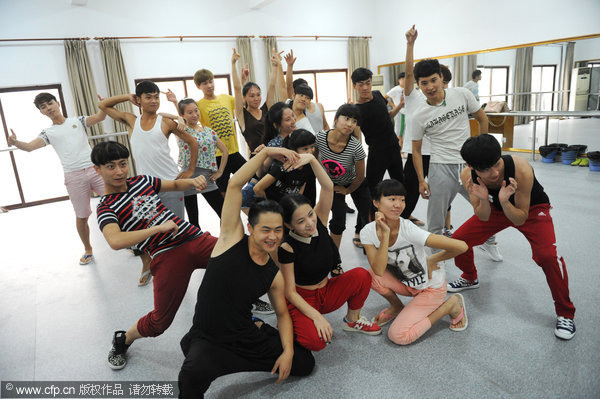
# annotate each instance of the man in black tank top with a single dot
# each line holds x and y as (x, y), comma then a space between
(505, 193)
(223, 338)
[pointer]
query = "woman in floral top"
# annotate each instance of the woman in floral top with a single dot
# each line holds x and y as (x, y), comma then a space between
(207, 164)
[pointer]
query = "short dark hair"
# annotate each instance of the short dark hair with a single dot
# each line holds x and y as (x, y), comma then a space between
(43, 98)
(426, 68)
(290, 203)
(299, 138)
(446, 74)
(389, 187)
(182, 103)
(305, 90)
(108, 151)
(248, 86)
(476, 73)
(266, 206)
(146, 87)
(299, 81)
(349, 110)
(481, 152)
(401, 75)
(361, 74)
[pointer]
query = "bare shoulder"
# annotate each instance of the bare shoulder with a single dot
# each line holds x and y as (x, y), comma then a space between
(287, 247)
(522, 166)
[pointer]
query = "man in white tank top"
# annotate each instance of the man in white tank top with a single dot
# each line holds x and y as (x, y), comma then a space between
(149, 136)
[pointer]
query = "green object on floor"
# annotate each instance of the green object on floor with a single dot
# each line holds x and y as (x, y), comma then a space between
(584, 162)
(576, 162)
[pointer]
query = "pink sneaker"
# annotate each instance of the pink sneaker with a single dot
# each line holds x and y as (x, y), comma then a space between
(362, 325)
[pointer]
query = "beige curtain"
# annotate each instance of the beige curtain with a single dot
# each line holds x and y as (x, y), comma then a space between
(116, 84)
(471, 65)
(567, 72)
(394, 72)
(523, 69)
(459, 72)
(82, 82)
(358, 56)
(244, 48)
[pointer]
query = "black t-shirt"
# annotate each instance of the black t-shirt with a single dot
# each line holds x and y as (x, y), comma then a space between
(376, 123)
(538, 195)
(231, 284)
(313, 257)
(254, 131)
(287, 182)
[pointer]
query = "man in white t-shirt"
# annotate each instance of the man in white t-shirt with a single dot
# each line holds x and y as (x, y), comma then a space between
(472, 85)
(444, 119)
(70, 141)
(396, 93)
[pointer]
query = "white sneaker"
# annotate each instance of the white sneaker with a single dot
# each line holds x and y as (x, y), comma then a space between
(492, 251)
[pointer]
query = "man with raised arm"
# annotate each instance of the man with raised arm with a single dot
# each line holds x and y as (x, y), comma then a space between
(131, 213)
(70, 141)
(444, 119)
(224, 339)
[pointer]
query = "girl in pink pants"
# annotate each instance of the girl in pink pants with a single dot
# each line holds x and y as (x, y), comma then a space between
(396, 251)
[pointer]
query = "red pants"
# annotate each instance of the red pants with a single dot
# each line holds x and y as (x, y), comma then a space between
(539, 231)
(172, 271)
(352, 286)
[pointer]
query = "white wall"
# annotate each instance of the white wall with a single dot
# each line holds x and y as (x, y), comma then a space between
(452, 27)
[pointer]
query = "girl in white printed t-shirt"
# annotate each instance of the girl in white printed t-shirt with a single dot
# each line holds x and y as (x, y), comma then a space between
(395, 249)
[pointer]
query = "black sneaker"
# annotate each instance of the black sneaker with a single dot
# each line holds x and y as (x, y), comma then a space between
(262, 307)
(117, 359)
(565, 328)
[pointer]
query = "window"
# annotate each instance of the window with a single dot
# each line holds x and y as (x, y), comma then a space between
(184, 87)
(329, 88)
(494, 81)
(593, 64)
(28, 178)
(543, 78)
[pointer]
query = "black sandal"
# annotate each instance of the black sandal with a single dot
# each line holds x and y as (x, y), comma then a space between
(336, 271)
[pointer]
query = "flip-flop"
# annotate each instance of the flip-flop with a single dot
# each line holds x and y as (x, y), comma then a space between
(416, 221)
(463, 313)
(87, 258)
(386, 317)
(146, 275)
(357, 243)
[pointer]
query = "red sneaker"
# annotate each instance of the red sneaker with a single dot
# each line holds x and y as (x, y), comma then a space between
(362, 325)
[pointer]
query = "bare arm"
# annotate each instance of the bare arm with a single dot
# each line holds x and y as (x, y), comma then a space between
(409, 77)
(198, 182)
(118, 239)
(224, 157)
(237, 91)
(289, 74)
(360, 176)
(478, 195)
(33, 145)
(286, 330)
(521, 187)
(417, 157)
(449, 246)
(378, 257)
(275, 68)
(97, 117)
(325, 124)
(171, 127)
(482, 119)
(108, 106)
(263, 184)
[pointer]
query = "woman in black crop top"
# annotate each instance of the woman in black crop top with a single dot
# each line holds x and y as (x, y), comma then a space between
(307, 256)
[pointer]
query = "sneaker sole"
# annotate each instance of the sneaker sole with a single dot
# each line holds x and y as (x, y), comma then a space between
(470, 287)
(350, 329)
(112, 366)
(263, 311)
(563, 334)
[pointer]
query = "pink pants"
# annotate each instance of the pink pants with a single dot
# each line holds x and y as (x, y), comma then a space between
(539, 231)
(412, 322)
(351, 286)
(80, 184)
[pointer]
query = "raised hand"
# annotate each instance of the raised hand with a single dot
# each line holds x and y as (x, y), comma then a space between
(286, 156)
(134, 100)
(12, 139)
(245, 73)
(289, 58)
(478, 190)
(507, 191)
(235, 56)
(381, 227)
(170, 96)
(411, 35)
(99, 97)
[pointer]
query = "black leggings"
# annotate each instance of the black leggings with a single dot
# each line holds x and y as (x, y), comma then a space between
(205, 361)
(380, 160)
(411, 183)
(234, 162)
(214, 199)
(362, 201)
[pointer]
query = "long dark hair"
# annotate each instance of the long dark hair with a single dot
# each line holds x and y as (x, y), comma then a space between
(274, 117)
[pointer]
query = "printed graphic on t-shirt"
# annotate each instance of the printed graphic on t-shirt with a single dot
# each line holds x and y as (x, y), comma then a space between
(145, 207)
(446, 117)
(220, 122)
(404, 265)
(334, 168)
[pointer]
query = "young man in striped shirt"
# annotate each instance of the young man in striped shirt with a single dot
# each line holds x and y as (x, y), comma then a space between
(131, 213)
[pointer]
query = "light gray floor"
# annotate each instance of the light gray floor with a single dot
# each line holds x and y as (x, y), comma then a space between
(58, 317)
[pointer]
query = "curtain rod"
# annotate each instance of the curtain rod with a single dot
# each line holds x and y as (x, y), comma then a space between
(316, 37)
(171, 37)
(44, 39)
